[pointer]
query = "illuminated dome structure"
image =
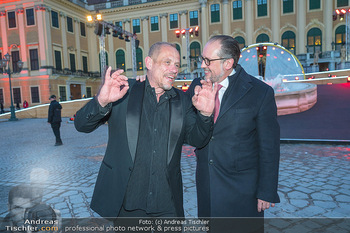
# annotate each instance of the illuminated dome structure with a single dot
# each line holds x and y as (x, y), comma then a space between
(275, 65)
(268, 61)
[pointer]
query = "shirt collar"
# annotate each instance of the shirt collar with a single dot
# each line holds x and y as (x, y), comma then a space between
(224, 83)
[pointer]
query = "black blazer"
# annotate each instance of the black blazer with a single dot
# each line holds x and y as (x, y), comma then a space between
(123, 119)
(240, 163)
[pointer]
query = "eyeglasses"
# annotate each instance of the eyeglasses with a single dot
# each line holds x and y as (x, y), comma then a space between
(207, 60)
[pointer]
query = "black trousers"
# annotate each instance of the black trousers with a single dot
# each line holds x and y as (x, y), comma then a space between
(56, 130)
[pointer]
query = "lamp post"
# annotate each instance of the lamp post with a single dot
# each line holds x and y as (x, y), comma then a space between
(6, 62)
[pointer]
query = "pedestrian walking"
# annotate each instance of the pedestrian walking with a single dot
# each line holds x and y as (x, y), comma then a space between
(54, 118)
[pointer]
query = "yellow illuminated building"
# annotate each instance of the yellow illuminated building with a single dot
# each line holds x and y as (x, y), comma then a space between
(60, 50)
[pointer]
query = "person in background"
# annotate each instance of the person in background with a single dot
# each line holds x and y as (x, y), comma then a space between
(25, 104)
(54, 118)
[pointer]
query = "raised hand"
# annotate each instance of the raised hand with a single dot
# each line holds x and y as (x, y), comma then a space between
(115, 86)
(204, 97)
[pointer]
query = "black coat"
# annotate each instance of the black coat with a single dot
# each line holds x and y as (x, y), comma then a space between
(54, 115)
(240, 163)
(123, 119)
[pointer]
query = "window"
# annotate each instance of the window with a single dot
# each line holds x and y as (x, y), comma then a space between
(30, 17)
(179, 50)
(35, 94)
(1, 69)
(262, 8)
(82, 29)
(120, 58)
(139, 59)
(34, 60)
(119, 23)
(85, 64)
(240, 41)
(314, 4)
(237, 9)
(136, 26)
(12, 19)
(262, 38)
(15, 59)
(288, 6)
(88, 92)
(63, 93)
(1, 96)
(173, 21)
(54, 19)
(340, 37)
(193, 18)
(341, 3)
(195, 50)
(215, 13)
(72, 62)
(154, 23)
(17, 95)
(314, 40)
(69, 24)
(288, 41)
(58, 61)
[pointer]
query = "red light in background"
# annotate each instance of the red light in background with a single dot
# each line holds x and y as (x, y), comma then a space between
(349, 79)
(343, 11)
(329, 83)
(296, 78)
(183, 31)
(337, 11)
(260, 55)
(191, 30)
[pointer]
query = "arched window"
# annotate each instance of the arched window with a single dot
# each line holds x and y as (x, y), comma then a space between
(195, 50)
(240, 41)
(99, 59)
(340, 37)
(120, 58)
(262, 38)
(314, 40)
(288, 41)
(139, 59)
(179, 50)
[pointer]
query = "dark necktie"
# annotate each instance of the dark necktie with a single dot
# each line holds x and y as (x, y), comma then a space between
(217, 103)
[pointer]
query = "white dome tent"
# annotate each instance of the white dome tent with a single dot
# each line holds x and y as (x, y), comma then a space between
(271, 63)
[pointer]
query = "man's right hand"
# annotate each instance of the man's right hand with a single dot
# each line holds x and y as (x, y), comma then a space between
(114, 88)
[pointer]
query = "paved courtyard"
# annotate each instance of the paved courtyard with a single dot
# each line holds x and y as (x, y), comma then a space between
(314, 179)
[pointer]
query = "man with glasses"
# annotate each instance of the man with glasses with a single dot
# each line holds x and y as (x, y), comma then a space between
(237, 171)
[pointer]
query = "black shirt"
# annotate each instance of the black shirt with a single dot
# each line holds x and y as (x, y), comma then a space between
(148, 187)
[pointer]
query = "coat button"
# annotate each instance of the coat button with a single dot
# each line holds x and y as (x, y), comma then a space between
(212, 138)
(211, 162)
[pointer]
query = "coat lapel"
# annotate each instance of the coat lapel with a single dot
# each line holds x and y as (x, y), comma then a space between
(176, 122)
(133, 116)
(238, 87)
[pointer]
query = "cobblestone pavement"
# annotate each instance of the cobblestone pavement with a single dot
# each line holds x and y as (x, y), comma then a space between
(314, 179)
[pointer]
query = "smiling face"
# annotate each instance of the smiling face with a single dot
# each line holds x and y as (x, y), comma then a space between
(217, 70)
(163, 67)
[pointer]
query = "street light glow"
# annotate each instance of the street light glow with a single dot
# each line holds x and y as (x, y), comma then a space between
(89, 18)
(99, 17)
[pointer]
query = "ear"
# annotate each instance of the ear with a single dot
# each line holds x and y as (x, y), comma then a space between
(228, 63)
(149, 62)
